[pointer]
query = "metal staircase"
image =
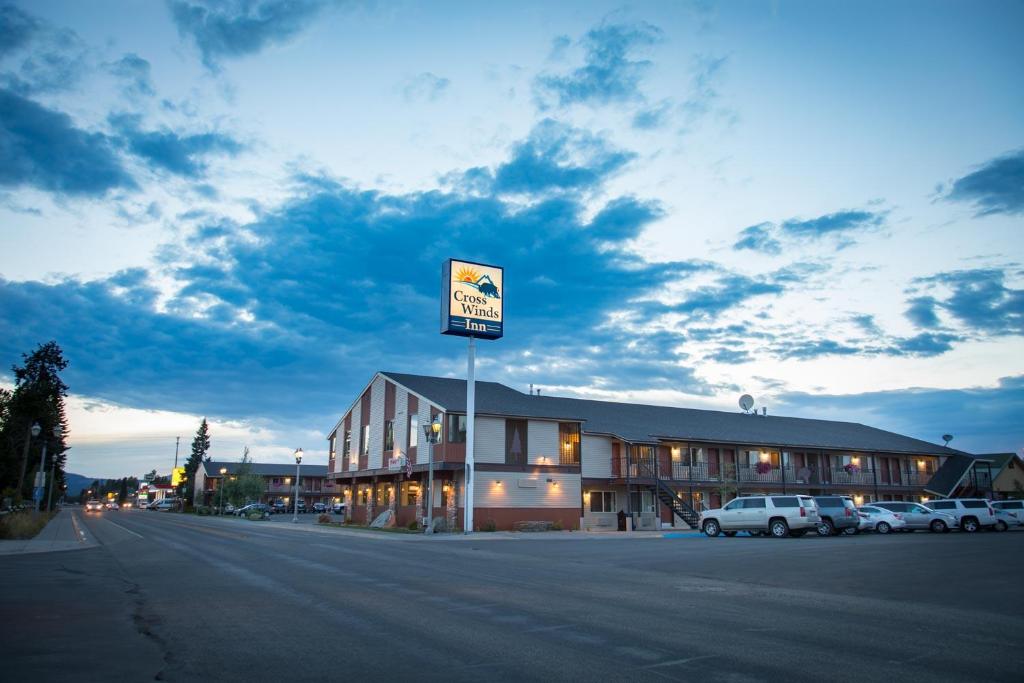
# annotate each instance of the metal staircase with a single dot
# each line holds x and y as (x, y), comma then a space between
(666, 495)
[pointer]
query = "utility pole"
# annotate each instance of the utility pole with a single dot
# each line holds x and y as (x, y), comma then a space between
(177, 440)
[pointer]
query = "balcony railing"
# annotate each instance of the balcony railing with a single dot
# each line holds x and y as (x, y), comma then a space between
(698, 471)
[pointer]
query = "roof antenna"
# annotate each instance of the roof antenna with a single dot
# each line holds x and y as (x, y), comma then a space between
(764, 411)
(746, 402)
(538, 391)
(946, 438)
(531, 388)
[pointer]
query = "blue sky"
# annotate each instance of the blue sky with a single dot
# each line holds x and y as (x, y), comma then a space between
(239, 209)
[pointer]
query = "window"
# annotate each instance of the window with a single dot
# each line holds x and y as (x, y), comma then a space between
(602, 501)
(756, 503)
(784, 502)
(334, 444)
(734, 505)
(942, 505)
(515, 442)
(389, 436)
(1012, 506)
(569, 443)
(408, 490)
(456, 429)
(364, 441)
(974, 504)
(346, 446)
(414, 430)
(829, 501)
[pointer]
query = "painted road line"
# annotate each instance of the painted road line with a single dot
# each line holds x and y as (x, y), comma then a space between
(124, 528)
(79, 534)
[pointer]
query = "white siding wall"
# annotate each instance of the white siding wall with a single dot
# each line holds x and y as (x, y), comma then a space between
(376, 459)
(596, 456)
(401, 420)
(198, 484)
(509, 494)
(542, 440)
(489, 440)
(421, 449)
(353, 453)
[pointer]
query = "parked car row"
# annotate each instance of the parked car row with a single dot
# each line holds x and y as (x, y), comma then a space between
(796, 515)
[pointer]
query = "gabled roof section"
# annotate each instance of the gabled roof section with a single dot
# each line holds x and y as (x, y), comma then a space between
(948, 477)
(266, 469)
(639, 423)
(999, 461)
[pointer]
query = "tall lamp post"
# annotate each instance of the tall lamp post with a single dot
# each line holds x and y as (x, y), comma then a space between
(223, 479)
(53, 470)
(37, 494)
(431, 431)
(298, 462)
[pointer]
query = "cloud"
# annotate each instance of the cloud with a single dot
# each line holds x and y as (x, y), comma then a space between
(866, 323)
(16, 29)
(42, 148)
(170, 151)
(978, 299)
(996, 187)
(981, 419)
(239, 28)
(833, 223)
(425, 87)
(610, 72)
(655, 116)
(554, 157)
(921, 312)
(924, 345)
(758, 238)
(135, 71)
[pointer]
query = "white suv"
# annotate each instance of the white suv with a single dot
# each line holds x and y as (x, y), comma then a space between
(776, 515)
(971, 513)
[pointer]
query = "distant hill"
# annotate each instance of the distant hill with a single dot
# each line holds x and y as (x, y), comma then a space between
(77, 483)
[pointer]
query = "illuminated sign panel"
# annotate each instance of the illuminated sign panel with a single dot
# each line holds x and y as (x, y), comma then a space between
(472, 299)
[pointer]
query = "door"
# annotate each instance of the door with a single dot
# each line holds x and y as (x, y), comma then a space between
(755, 514)
(732, 515)
(917, 516)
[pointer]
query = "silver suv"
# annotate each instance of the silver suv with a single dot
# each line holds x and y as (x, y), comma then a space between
(776, 515)
(919, 516)
(838, 515)
(971, 514)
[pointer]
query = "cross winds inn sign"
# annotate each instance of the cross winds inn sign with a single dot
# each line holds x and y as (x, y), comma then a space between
(472, 303)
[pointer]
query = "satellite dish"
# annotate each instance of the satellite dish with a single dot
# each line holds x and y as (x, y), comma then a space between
(947, 438)
(746, 402)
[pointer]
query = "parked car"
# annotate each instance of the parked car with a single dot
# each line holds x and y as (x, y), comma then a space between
(777, 515)
(278, 507)
(338, 508)
(111, 505)
(838, 514)
(301, 507)
(918, 516)
(229, 509)
(261, 508)
(165, 505)
(1014, 506)
(319, 508)
(971, 514)
(1008, 518)
(879, 519)
(94, 506)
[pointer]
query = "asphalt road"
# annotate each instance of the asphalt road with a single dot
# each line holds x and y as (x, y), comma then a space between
(182, 598)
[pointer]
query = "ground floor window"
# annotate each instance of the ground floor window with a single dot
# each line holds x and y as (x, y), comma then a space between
(408, 493)
(641, 501)
(602, 501)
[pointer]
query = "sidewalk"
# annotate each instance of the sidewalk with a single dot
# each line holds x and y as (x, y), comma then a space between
(64, 532)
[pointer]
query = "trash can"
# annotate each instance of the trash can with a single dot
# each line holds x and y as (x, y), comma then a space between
(622, 520)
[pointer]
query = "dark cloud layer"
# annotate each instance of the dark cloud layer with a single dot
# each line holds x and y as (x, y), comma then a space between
(43, 149)
(996, 187)
(758, 238)
(833, 223)
(977, 300)
(171, 151)
(234, 29)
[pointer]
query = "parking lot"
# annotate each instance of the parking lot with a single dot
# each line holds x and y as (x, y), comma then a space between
(237, 600)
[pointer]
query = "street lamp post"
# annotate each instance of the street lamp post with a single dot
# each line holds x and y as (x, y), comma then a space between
(298, 462)
(37, 493)
(223, 479)
(53, 470)
(431, 431)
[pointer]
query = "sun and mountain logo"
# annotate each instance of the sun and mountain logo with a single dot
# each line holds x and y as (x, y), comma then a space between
(481, 283)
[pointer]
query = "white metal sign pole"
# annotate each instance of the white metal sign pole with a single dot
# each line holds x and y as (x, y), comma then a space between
(470, 419)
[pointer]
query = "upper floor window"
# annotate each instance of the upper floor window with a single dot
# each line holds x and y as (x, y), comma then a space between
(389, 436)
(364, 441)
(456, 429)
(346, 445)
(569, 443)
(334, 443)
(414, 430)
(515, 442)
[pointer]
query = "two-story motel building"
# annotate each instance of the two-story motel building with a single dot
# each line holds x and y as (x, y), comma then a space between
(580, 462)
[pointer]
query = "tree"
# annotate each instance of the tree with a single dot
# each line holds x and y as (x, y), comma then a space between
(200, 447)
(245, 486)
(38, 397)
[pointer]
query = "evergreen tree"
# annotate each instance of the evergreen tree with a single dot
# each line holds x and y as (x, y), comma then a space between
(200, 447)
(38, 397)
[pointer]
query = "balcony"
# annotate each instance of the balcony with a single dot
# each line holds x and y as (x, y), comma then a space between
(698, 471)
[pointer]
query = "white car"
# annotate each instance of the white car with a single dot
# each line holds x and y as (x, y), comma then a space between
(971, 514)
(776, 515)
(879, 519)
(1014, 508)
(918, 516)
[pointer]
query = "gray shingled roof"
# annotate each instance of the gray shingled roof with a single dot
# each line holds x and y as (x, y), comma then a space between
(948, 477)
(644, 423)
(267, 469)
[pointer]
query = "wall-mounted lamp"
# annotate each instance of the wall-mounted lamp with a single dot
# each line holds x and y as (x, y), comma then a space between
(497, 482)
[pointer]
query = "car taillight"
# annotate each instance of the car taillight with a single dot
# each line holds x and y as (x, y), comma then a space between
(897, 515)
(803, 511)
(848, 512)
